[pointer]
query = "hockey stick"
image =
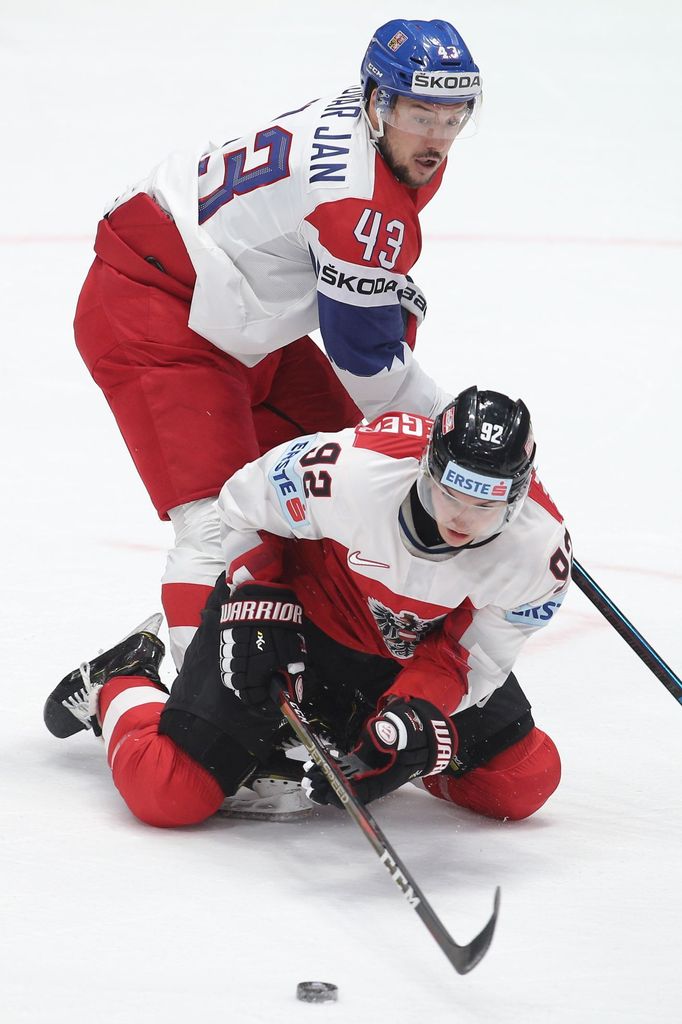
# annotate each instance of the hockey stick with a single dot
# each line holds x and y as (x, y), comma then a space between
(463, 958)
(624, 627)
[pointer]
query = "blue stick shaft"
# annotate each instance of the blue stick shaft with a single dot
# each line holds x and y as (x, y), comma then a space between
(624, 627)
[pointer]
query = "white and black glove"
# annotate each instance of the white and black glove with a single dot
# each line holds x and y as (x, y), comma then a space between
(407, 739)
(261, 637)
(413, 301)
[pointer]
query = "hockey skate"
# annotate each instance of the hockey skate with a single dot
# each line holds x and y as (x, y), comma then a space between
(273, 793)
(72, 706)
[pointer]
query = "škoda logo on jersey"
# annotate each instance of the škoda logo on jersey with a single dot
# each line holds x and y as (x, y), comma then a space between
(261, 611)
(442, 83)
(331, 274)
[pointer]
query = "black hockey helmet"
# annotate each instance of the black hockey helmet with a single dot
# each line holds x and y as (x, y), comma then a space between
(481, 446)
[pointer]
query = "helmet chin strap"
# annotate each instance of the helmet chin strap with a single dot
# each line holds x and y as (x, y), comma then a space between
(374, 133)
(515, 509)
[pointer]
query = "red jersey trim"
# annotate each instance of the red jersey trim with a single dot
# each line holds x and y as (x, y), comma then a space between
(538, 494)
(399, 435)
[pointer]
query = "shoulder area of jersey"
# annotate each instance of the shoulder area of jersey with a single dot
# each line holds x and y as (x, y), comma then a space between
(539, 496)
(399, 435)
(333, 125)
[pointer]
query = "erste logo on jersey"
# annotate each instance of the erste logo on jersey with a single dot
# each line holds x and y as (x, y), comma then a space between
(535, 614)
(467, 482)
(287, 482)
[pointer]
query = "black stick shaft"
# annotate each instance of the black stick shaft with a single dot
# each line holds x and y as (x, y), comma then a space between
(462, 958)
(624, 628)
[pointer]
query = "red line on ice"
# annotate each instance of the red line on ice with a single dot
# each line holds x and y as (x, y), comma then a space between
(510, 239)
(557, 240)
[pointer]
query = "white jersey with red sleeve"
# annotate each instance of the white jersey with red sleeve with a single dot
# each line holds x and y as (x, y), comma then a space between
(301, 225)
(323, 514)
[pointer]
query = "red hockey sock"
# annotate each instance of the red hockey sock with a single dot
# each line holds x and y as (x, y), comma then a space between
(514, 784)
(183, 604)
(160, 783)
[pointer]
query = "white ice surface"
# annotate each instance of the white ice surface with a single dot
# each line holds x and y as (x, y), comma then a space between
(552, 264)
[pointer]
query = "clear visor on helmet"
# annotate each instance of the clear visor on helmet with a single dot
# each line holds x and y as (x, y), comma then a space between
(470, 507)
(419, 116)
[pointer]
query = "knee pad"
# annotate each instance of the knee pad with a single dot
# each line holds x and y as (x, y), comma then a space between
(514, 784)
(161, 784)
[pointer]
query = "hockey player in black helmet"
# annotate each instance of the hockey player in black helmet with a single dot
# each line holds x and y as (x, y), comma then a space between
(390, 575)
(477, 466)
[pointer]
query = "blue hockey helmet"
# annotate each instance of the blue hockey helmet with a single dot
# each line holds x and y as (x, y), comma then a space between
(426, 61)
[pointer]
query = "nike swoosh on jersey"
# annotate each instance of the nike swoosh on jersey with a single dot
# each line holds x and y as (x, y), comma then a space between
(355, 558)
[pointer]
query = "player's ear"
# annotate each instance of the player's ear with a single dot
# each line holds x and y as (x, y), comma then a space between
(372, 108)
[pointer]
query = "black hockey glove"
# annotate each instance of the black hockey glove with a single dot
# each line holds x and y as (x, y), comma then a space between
(408, 739)
(261, 637)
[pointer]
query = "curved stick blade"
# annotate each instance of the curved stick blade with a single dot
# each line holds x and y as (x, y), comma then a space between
(465, 958)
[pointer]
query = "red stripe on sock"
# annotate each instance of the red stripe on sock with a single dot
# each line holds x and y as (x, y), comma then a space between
(183, 603)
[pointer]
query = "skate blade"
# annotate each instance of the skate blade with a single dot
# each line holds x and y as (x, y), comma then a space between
(151, 625)
(292, 805)
(247, 814)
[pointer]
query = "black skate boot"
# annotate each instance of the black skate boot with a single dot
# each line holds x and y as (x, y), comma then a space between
(72, 706)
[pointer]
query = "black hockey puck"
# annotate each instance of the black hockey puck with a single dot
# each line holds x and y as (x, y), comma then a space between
(317, 992)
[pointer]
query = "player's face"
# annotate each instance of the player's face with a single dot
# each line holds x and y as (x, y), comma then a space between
(463, 519)
(417, 136)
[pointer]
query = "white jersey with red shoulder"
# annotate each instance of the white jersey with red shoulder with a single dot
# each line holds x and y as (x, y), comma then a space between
(300, 225)
(323, 514)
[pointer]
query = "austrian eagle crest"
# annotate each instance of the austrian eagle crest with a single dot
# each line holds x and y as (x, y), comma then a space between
(401, 631)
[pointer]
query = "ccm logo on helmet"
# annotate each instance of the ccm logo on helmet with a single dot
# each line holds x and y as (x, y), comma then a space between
(261, 611)
(435, 83)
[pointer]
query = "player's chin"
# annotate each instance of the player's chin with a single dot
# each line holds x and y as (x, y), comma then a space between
(422, 171)
(454, 538)
(417, 172)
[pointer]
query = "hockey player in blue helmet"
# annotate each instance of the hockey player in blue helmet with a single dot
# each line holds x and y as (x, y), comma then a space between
(421, 91)
(309, 220)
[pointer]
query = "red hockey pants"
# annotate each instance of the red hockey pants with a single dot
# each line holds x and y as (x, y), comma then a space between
(165, 787)
(190, 414)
